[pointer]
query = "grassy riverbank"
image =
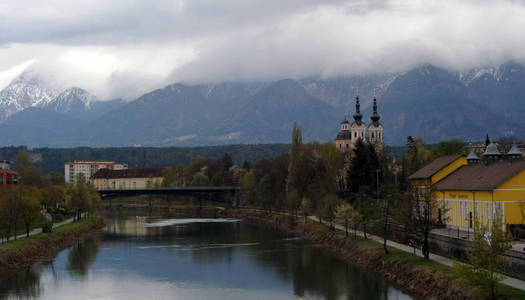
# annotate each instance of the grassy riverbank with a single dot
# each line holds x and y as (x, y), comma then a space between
(412, 273)
(22, 253)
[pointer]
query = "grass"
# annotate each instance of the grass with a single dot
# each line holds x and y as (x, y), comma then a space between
(504, 291)
(57, 233)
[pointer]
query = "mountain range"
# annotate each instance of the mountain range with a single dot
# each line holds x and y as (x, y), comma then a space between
(426, 101)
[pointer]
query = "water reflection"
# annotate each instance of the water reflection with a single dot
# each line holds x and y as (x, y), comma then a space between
(231, 260)
(81, 257)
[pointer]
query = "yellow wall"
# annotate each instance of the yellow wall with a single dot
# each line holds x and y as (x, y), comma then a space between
(460, 161)
(126, 183)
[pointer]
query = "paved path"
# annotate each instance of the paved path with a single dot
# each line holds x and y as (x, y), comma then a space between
(39, 230)
(513, 282)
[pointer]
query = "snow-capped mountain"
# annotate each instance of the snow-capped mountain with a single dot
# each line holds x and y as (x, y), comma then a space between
(24, 91)
(72, 100)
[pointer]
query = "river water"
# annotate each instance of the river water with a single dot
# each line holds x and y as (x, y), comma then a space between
(164, 258)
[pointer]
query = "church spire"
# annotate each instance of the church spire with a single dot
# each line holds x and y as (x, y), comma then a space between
(375, 116)
(357, 116)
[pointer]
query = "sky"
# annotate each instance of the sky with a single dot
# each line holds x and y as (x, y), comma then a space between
(124, 48)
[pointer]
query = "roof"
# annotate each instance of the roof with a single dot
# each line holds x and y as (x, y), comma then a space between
(480, 177)
(491, 149)
(435, 166)
(98, 162)
(344, 135)
(128, 173)
(472, 155)
(514, 150)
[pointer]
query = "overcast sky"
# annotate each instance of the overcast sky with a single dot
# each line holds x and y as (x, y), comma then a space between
(123, 48)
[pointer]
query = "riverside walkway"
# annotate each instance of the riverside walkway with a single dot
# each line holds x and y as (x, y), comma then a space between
(510, 281)
(39, 230)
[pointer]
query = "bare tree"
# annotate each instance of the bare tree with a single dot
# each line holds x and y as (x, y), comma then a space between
(425, 214)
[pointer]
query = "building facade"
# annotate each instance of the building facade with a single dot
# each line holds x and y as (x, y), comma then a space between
(473, 189)
(351, 133)
(7, 177)
(127, 179)
(88, 168)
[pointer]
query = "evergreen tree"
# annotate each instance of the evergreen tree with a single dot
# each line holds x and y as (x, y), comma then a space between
(363, 166)
(295, 153)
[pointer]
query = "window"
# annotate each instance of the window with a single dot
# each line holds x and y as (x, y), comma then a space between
(372, 135)
(346, 146)
(355, 134)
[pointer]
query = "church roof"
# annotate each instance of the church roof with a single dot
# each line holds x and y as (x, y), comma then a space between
(344, 135)
(480, 177)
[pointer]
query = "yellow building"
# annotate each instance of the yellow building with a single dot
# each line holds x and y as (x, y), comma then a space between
(106, 179)
(421, 180)
(476, 189)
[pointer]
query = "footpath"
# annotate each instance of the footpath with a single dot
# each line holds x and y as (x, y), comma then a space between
(39, 230)
(513, 282)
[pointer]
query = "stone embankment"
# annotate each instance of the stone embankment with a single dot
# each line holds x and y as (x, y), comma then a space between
(409, 276)
(17, 255)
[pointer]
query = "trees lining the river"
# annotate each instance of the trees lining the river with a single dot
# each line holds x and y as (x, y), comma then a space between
(22, 206)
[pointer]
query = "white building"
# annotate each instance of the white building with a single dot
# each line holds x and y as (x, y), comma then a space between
(89, 167)
(5, 165)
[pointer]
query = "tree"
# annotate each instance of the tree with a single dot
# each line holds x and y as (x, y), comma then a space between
(363, 166)
(329, 206)
(422, 216)
(485, 257)
(82, 196)
(333, 161)
(293, 201)
(22, 161)
(217, 179)
(226, 162)
(447, 147)
(52, 195)
(295, 153)
(306, 207)
(366, 206)
(418, 155)
(55, 178)
(29, 206)
(344, 214)
(248, 187)
(200, 179)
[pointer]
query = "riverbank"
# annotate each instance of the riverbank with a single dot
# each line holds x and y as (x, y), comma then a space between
(420, 277)
(22, 253)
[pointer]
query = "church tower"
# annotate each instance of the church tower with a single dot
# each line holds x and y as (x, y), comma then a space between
(343, 141)
(375, 129)
(358, 127)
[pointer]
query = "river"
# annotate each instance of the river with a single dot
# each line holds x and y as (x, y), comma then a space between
(165, 258)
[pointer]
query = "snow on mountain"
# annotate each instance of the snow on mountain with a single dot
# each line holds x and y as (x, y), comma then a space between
(24, 91)
(71, 100)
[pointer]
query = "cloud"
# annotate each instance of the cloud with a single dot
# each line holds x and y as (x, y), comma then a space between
(123, 48)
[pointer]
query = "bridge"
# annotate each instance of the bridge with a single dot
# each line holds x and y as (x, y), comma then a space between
(206, 193)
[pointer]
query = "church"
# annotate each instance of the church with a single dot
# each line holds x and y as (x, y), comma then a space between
(350, 133)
